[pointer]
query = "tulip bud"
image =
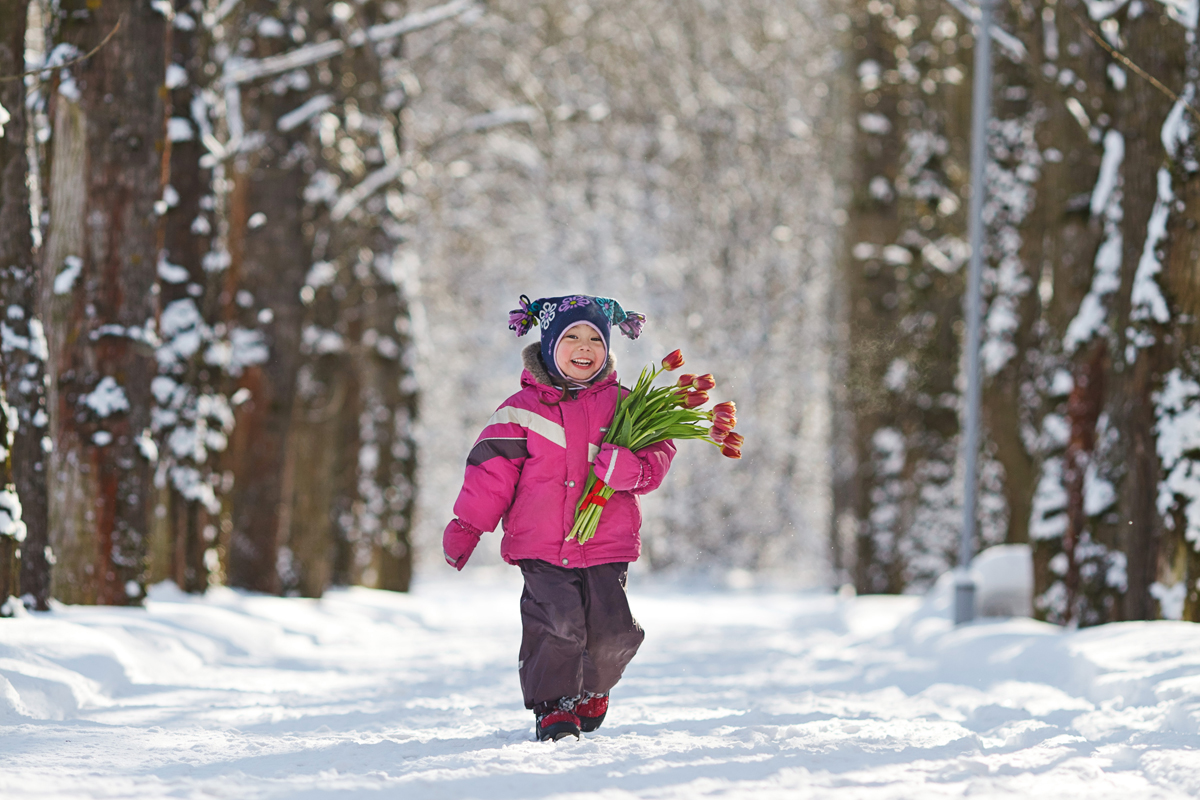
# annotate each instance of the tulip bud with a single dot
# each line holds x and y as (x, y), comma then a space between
(686, 380)
(726, 407)
(734, 439)
(727, 420)
(673, 361)
(695, 399)
(717, 435)
(730, 451)
(722, 424)
(705, 382)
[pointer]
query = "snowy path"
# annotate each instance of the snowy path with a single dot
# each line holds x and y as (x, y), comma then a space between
(734, 695)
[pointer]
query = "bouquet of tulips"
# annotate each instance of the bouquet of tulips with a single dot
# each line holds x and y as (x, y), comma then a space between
(650, 414)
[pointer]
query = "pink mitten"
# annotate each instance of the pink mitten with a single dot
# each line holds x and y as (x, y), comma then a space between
(458, 542)
(618, 467)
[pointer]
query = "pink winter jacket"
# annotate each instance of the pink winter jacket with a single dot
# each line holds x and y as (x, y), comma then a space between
(529, 466)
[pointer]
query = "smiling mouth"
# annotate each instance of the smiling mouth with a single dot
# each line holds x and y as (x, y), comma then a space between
(582, 363)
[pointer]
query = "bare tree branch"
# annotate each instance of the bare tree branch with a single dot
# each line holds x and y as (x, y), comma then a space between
(244, 70)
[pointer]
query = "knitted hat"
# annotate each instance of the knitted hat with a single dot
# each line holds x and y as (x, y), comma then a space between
(557, 315)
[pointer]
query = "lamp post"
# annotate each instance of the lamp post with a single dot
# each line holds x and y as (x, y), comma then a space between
(981, 111)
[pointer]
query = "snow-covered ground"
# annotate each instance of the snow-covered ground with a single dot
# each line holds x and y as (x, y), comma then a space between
(735, 694)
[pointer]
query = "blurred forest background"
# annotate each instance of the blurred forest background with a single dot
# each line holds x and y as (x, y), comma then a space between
(256, 259)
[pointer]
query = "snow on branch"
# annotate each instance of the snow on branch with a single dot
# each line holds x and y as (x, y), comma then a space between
(1009, 43)
(298, 116)
(503, 116)
(385, 175)
(367, 187)
(239, 71)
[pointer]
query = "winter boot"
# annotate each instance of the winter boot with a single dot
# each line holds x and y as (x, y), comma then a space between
(591, 710)
(556, 720)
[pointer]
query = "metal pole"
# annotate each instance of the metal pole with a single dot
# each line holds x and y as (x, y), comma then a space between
(981, 111)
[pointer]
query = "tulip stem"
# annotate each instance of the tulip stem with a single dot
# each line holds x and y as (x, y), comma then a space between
(643, 416)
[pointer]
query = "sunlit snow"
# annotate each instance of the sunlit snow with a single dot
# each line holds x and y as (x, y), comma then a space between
(737, 694)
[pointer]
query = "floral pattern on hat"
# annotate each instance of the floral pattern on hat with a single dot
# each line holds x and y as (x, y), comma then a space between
(607, 306)
(575, 301)
(543, 312)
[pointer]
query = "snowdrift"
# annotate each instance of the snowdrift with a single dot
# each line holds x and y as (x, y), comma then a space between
(735, 694)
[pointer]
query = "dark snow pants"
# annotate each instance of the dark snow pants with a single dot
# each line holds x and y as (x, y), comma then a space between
(578, 631)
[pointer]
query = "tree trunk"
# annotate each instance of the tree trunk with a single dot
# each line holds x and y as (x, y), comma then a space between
(23, 354)
(904, 282)
(99, 295)
(192, 417)
(353, 457)
(1136, 531)
(271, 233)
(1177, 404)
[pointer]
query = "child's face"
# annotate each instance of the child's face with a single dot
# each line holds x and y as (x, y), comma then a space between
(580, 353)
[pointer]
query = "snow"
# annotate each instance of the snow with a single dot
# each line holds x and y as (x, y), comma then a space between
(1117, 76)
(65, 280)
(740, 694)
(315, 339)
(1048, 519)
(107, 398)
(11, 524)
(1106, 201)
(322, 273)
(243, 70)
(1098, 492)
(1170, 598)
(304, 112)
(1147, 298)
(171, 273)
(1185, 12)
(179, 129)
(1003, 578)
(1110, 166)
(1177, 426)
(874, 123)
(244, 348)
(176, 76)
(1101, 9)
(1176, 129)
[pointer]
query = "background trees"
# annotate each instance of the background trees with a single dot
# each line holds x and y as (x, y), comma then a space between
(1084, 346)
(221, 276)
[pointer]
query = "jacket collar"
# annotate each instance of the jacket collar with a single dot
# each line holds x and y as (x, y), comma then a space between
(536, 373)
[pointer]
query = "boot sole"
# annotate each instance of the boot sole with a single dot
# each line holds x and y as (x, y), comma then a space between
(559, 730)
(589, 724)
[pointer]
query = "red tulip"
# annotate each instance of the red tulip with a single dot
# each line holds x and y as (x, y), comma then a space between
(734, 439)
(695, 399)
(673, 361)
(717, 435)
(726, 407)
(686, 380)
(725, 418)
(723, 424)
(730, 451)
(705, 382)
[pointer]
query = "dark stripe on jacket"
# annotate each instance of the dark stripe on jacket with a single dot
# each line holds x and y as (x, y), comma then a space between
(497, 448)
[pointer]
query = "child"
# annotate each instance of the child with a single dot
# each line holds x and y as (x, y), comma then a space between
(529, 467)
